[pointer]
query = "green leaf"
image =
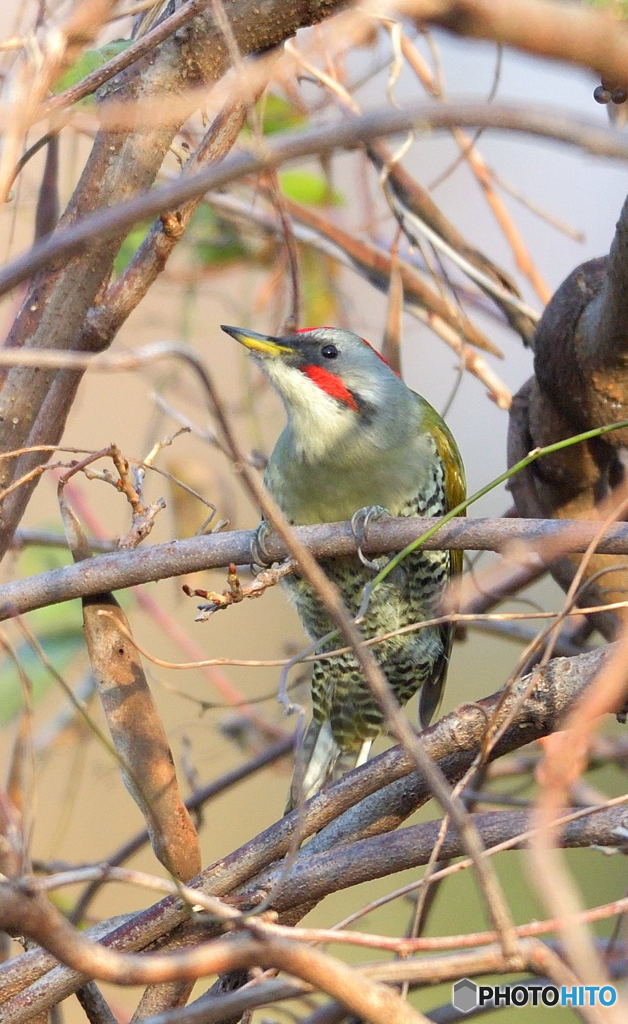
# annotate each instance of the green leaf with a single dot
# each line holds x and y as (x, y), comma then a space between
(320, 287)
(61, 648)
(618, 6)
(214, 242)
(309, 188)
(278, 114)
(57, 627)
(129, 247)
(89, 61)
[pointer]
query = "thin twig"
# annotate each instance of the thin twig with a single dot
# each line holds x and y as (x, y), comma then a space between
(545, 123)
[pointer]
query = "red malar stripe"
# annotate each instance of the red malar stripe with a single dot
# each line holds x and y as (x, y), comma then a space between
(330, 384)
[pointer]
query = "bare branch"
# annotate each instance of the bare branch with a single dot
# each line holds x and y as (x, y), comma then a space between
(27, 912)
(122, 164)
(139, 736)
(368, 810)
(118, 570)
(575, 33)
(545, 123)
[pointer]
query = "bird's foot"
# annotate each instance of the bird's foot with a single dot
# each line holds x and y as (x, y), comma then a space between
(260, 558)
(360, 522)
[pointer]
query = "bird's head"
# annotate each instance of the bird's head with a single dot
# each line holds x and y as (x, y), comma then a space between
(331, 381)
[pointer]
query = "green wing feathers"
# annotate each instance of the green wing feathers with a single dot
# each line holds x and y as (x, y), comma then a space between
(455, 493)
(455, 481)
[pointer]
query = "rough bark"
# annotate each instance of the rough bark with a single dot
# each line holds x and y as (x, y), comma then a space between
(34, 403)
(580, 383)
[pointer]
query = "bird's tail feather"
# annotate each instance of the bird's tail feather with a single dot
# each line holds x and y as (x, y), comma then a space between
(316, 757)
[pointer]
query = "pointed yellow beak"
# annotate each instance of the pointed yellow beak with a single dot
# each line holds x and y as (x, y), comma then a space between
(262, 343)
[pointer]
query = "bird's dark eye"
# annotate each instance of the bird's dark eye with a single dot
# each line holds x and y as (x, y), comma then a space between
(329, 351)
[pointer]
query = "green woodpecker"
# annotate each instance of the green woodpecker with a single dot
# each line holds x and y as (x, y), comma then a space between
(358, 439)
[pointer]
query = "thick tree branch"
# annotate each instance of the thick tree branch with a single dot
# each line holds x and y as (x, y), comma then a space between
(105, 319)
(121, 569)
(70, 308)
(29, 913)
(569, 32)
(311, 877)
(368, 810)
(580, 384)
(34, 404)
(317, 874)
(557, 125)
(602, 335)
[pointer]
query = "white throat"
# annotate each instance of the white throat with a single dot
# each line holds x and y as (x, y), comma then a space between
(317, 422)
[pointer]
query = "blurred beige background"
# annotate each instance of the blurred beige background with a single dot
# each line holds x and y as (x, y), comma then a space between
(83, 814)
